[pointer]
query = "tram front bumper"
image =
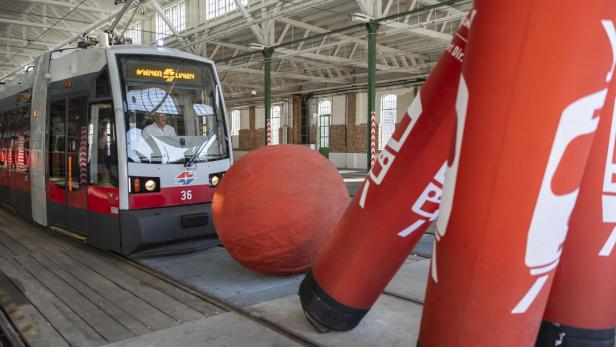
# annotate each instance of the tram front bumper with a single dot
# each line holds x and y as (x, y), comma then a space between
(155, 227)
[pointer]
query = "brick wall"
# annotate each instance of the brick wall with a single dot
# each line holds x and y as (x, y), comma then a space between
(253, 138)
(337, 138)
(361, 139)
(349, 137)
(252, 117)
(259, 138)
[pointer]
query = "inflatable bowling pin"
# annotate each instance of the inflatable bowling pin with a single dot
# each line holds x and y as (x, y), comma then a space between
(527, 110)
(397, 202)
(581, 309)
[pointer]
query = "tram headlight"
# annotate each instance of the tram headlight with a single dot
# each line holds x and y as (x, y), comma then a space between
(139, 185)
(150, 185)
(215, 178)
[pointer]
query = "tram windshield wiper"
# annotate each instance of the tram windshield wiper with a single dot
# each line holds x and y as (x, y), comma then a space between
(190, 161)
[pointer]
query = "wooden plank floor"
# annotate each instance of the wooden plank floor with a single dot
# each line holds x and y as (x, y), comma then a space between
(61, 292)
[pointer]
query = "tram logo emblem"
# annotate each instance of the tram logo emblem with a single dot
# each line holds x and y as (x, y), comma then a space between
(185, 178)
(169, 75)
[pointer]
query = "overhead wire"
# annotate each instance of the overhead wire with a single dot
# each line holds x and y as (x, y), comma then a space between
(31, 41)
(43, 16)
(24, 47)
(23, 39)
(44, 32)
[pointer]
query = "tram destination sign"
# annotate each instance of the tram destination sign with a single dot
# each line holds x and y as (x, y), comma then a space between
(163, 72)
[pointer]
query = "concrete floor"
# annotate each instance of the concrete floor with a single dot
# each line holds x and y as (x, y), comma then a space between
(393, 321)
(229, 329)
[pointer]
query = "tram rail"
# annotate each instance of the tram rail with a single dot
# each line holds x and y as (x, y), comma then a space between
(9, 337)
(222, 304)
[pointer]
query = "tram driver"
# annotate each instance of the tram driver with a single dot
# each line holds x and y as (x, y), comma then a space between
(159, 127)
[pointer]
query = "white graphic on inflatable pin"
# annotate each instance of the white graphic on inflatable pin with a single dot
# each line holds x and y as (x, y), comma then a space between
(386, 158)
(431, 195)
(452, 171)
(549, 224)
(609, 189)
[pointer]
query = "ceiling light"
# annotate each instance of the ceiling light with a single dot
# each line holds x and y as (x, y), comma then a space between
(361, 17)
(256, 46)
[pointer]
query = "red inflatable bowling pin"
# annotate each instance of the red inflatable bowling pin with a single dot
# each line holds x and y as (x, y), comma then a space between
(397, 202)
(581, 310)
(527, 110)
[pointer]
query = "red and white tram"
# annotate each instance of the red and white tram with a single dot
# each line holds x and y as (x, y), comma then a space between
(122, 145)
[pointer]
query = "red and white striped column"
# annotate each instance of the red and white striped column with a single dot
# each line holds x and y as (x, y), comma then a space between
(269, 132)
(20, 153)
(372, 139)
(83, 156)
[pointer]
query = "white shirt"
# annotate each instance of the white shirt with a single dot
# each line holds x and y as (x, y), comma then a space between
(154, 130)
(135, 144)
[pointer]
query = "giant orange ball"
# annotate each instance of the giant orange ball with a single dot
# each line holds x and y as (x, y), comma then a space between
(276, 206)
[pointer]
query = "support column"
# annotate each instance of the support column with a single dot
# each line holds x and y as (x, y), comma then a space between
(267, 54)
(372, 27)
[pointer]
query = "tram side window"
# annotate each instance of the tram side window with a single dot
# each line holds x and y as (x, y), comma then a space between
(103, 151)
(56, 161)
(14, 126)
(77, 143)
(25, 155)
(3, 129)
(6, 139)
(19, 140)
(23, 141)
(22, 125)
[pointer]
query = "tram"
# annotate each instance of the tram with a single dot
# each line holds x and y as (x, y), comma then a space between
(123, 145)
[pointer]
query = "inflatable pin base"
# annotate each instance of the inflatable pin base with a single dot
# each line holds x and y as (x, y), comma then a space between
(323, 311)
(552, 334)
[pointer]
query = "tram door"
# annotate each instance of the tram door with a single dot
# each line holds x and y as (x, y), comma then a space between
(67, 163)
(103, 189)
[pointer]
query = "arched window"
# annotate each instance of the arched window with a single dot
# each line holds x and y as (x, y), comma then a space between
(387, 124)
(325, 112)
(235, 122)
(275, 122)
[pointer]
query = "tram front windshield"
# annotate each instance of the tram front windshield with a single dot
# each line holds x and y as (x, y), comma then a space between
(173, 109)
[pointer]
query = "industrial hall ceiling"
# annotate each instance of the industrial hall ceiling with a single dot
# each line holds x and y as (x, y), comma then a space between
(318, 46)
